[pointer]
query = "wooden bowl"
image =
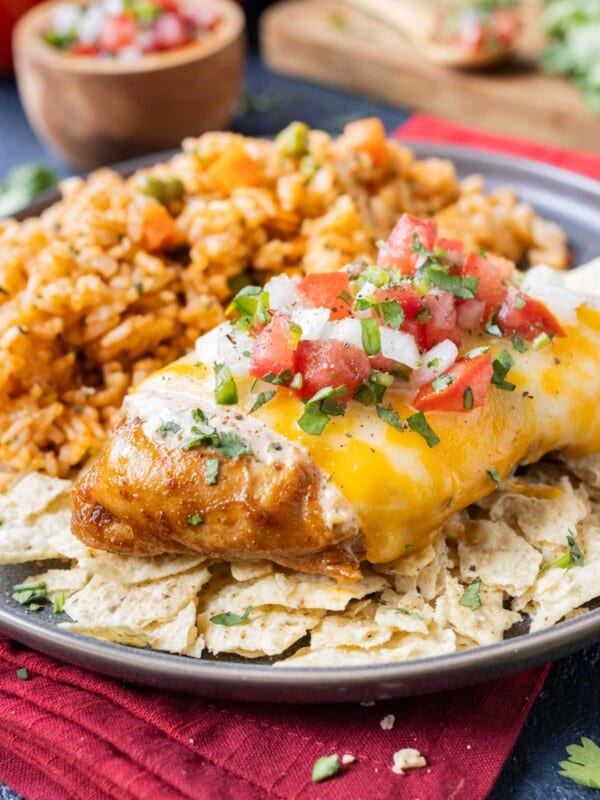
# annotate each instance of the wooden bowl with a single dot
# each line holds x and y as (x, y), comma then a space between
(94, 111)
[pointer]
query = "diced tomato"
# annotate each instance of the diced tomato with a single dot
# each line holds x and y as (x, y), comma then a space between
(117, 33)
(442, 322)
(494, 273)
(474, 373)
(470, 314)
(327, 290)
(273, 350)
(527, 316)
(331, 363)
(367, 136)
(170, 31)
(382, 364)
(451, 245)
(412, 303)
(80, 49)
(398, 250)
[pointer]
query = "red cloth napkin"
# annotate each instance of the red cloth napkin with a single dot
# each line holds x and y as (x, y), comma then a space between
(427, 128)
(68, 734)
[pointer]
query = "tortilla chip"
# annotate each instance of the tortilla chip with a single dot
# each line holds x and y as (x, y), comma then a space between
(343, 630)
(179, 635)
(267, 631)
(103, 602)
(404, 612)
(57, 581)
(499, 556)
(247, 570)
(293, 590)
(131, 570)
(32, 495)
(484, 625)
(117, 634)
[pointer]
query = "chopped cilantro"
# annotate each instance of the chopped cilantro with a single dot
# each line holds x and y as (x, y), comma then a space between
(278, 380)
(232, 446)
(225, 388)
(462, 286)
(518, 344)
(390, 416)
(325, 767)
(470, 597)
(493, 473)
(228, 618)
(434, 363)
(372, 391)
(211, 470)
(319, 409)
(418, 424)
(468, 399)
(371, 338)
(583, 765)
(262, 399)
(252, 305)
(58, 602)
(519, 302)
(194, 520)
(168, 427)
(392, 313)
(27, 593)
(139, 287)
(407, 613)
(501, 366)
(572, 558)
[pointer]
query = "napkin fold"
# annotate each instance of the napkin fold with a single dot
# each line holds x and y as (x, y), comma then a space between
(67, 734)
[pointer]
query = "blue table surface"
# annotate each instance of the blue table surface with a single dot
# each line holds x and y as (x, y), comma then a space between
(569, 705)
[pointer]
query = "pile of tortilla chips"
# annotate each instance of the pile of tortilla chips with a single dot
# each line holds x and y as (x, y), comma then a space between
(530, 552)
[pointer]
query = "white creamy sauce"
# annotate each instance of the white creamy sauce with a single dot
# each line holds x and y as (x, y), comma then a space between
(157, 407)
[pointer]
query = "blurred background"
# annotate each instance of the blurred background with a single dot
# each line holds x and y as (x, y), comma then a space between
(529, 68)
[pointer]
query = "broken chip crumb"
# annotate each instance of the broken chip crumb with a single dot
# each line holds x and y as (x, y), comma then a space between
(387, 723)
(347, 758)
(407, 758)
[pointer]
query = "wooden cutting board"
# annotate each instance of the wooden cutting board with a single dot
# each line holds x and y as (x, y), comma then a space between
(331, 42)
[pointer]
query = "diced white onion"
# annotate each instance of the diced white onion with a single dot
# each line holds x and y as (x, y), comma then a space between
(283, 291)
(89, 25)
(345, 330)
(399, 346)
(313, 322)
(225, 345)
(65, 18)
(443, 355)
(366, 290)
(546, 284)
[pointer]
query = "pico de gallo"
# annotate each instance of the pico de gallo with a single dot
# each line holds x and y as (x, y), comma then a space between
(128, 29)
(482, 26)
(348, 336)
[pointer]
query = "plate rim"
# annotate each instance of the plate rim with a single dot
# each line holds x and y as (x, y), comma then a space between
(163, 669)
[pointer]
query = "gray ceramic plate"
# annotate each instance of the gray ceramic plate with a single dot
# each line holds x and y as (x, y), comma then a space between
(570, 200)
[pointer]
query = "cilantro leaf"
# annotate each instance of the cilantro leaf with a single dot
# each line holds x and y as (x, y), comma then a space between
(262, 398)
(232, 446)
(518, 344)
(325, 767)
(493, 473)
(583, 765)
(168, 427)
(407, 613)
(211, 470)
(418, 424)
(390, 416)
(392, 313)
(468, 399)
(194, 520)
(462, 286)
(501, 366)
(572, 558)
(27, 593)
(320, 408)
(470, 597)
(228, 618)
